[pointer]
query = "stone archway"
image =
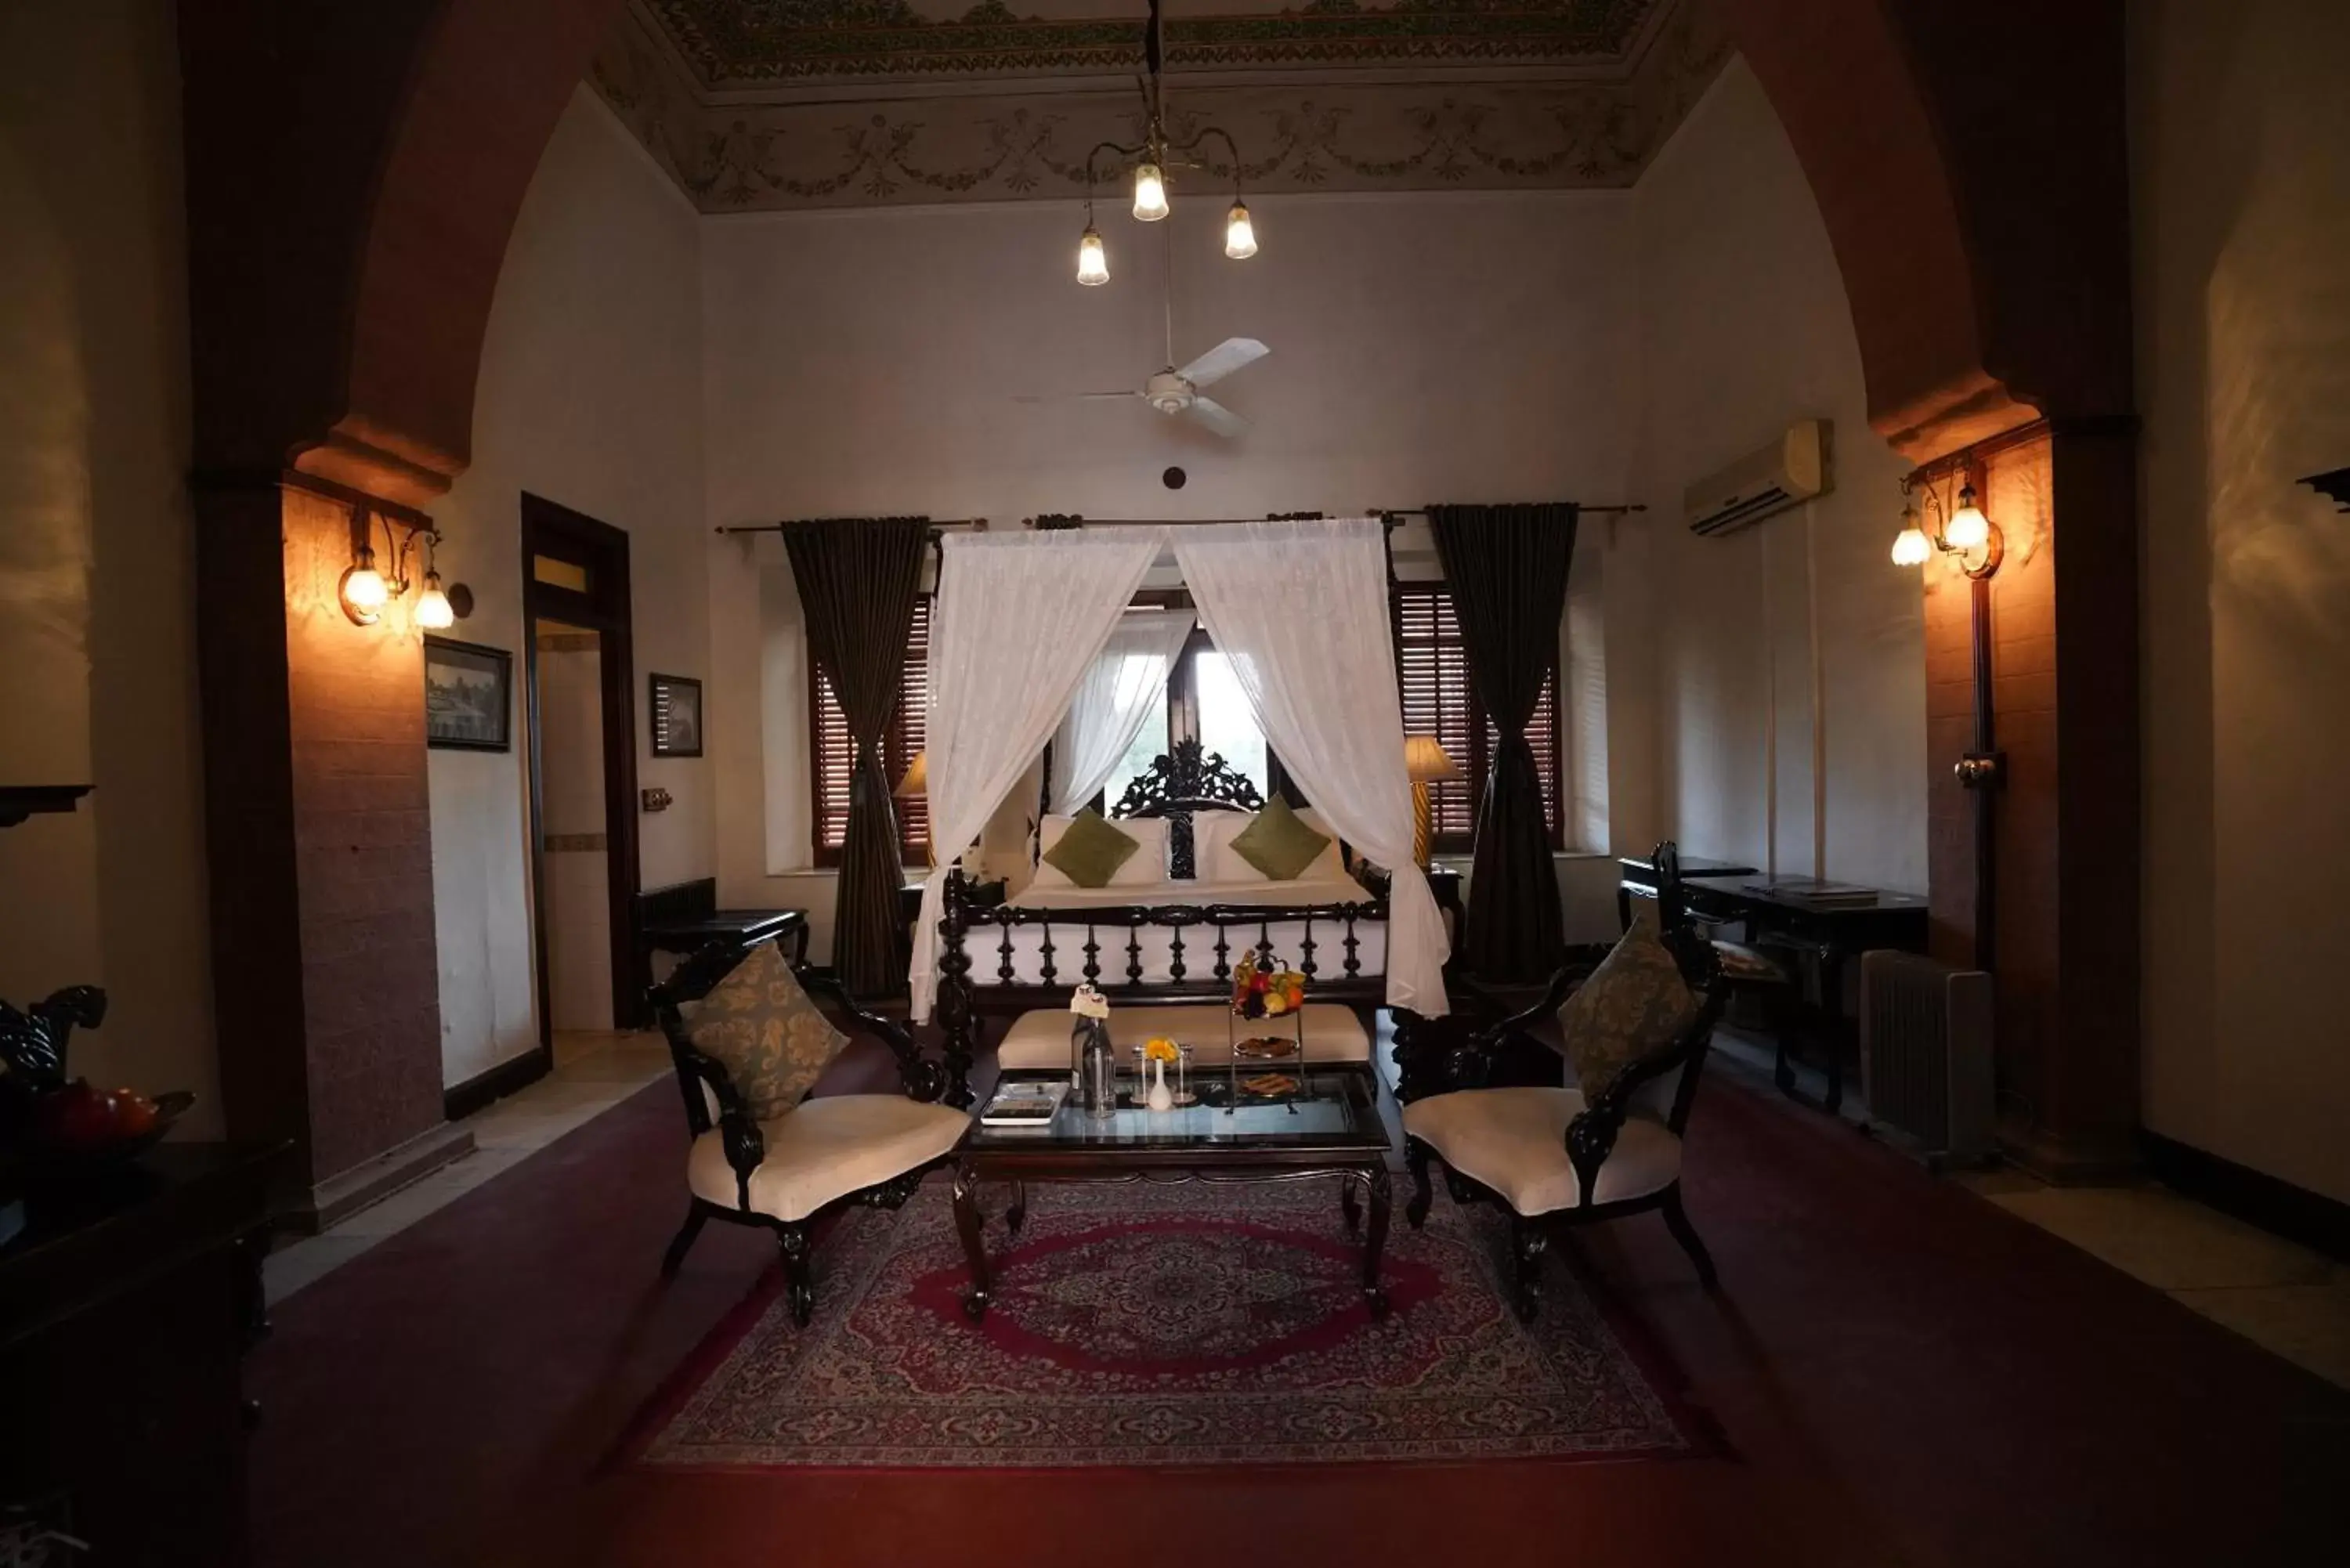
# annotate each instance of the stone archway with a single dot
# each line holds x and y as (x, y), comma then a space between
(353, 177)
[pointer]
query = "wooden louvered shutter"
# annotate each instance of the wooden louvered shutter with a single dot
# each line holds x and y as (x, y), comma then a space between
(1432, 667)
(833, 754)
(1433, 670)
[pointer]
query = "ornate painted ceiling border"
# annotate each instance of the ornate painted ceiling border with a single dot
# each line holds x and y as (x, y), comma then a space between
(737, 42)
(1451, 132)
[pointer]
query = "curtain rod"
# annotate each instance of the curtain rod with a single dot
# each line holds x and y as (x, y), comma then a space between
(942, 524)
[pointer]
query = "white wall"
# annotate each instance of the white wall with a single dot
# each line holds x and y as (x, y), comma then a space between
(98, 680)
(590, 395)
(1432, 348)
(1744, 328)
(2242, 198)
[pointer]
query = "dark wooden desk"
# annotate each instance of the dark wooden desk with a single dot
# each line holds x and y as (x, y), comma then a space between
(1774, 913)
(684, 918)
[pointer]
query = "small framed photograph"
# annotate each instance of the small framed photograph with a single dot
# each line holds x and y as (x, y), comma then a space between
(468, 696)
(676, 716)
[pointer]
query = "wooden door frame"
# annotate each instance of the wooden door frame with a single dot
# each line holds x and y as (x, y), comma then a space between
(551, 529)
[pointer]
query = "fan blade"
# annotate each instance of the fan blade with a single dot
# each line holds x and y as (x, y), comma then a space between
(1067, 396)
(1215, 416)
(1222, 360)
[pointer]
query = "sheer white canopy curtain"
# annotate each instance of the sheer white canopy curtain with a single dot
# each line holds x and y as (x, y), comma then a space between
(1020, 618)
(1299, 611)
(1124, 684)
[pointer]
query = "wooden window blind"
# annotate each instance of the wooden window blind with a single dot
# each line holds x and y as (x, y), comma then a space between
(833, 756)
(1432, 670)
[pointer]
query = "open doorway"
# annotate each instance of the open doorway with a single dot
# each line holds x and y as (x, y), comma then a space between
(581, 677)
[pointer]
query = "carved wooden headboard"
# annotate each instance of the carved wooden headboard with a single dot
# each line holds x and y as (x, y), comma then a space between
(1184, 780)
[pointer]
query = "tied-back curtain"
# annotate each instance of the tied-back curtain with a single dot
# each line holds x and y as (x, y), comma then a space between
(858, 579)
(1299, 611)
(1121, 687)
(1507, 566)
(1019, 619)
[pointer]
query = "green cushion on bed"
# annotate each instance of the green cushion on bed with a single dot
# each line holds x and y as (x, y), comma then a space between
(1089, 850)
(1278, 843)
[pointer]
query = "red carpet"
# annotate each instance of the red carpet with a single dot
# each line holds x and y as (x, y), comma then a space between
(1143, 1325)
(1907, 1375)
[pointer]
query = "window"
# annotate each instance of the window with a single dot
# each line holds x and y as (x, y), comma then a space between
(899, 743)
(1432, 667)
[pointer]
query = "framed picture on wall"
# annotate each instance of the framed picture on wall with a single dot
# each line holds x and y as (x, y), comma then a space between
(468, 696)
(676, 716)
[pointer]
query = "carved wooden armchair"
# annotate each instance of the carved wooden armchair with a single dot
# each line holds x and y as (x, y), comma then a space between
(1545, 1154)
(824, 1153)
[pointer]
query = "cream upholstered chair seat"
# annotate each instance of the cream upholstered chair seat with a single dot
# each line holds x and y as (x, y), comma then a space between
(827, 1149)
(1039, 1040)
(1514, 1142)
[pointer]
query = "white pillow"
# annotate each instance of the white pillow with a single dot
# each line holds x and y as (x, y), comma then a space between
(1215, 860)
(1145, 867)
(1212, 860)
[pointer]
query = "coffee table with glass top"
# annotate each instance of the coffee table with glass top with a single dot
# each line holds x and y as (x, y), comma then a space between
(1329, 1128)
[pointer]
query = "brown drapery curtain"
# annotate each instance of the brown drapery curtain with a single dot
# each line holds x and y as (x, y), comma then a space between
(1507, 566)
(858, 579)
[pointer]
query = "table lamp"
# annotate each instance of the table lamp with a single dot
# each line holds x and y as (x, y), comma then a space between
(1427, 762)
(913, 786)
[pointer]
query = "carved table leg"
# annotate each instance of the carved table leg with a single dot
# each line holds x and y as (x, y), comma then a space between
(1375, 1238)
(968, 1222)
(1015, 1216)
(1350, 1206)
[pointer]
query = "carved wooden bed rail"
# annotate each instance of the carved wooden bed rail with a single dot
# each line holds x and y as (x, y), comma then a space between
(982, 973)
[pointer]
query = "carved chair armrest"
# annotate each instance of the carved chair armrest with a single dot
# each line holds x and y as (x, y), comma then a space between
(923, 1079)
(738, 1134)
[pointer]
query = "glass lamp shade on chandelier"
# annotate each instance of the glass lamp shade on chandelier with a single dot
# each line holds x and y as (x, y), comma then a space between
(364, 592)
(1153, 158)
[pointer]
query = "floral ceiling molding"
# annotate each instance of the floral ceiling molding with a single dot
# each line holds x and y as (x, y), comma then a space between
(737, 43)
(1619, 77)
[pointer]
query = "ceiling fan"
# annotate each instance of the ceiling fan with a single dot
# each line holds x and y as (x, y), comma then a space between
(1173, 392)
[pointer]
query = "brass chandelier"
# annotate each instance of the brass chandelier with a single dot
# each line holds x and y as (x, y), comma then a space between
(1151, 159)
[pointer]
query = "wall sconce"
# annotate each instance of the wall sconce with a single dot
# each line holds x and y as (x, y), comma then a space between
(1963, 532)
(364, 590)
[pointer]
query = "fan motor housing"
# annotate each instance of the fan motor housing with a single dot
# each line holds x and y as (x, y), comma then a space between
(1167, 393)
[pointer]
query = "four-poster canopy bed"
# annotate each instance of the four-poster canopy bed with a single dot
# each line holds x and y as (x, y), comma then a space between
(1321, 688)
(1171, 941)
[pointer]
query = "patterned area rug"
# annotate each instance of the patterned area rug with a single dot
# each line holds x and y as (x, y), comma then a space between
(1151, 1325)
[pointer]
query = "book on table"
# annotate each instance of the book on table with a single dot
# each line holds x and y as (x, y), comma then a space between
(1024, 1105)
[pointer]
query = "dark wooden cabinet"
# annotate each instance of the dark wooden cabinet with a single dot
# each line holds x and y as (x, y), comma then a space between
(126, 1307)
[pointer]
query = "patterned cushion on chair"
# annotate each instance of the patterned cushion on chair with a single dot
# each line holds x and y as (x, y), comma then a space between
(770, 1038)
(1635, 1002)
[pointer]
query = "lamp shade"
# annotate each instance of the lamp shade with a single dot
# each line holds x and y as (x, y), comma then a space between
(917, 779)
(1427, 761)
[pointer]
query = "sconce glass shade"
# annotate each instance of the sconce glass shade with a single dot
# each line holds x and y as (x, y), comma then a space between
(1092, 263)
(1968, 529)
(364, 592)
(1911, 547)
(1240, 234)
(1149, 193)
(432, 610)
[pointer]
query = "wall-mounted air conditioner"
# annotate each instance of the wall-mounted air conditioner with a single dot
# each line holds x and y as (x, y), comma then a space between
(1788, 473)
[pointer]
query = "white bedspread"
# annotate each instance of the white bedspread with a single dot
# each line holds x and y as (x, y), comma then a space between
(984, 942)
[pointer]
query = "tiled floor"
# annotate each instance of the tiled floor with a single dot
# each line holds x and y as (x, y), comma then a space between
(593, 1073)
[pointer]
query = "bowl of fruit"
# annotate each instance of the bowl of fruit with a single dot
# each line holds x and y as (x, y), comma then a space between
(81, 1127)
